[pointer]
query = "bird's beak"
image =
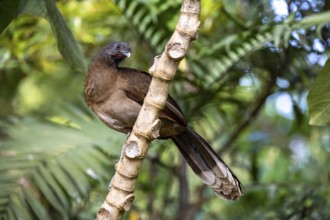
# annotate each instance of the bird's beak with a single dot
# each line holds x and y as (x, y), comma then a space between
(126, 53)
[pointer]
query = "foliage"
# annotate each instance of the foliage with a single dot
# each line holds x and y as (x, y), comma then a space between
(8, 11)
(46, 169)
(319, 102)
(243, 87)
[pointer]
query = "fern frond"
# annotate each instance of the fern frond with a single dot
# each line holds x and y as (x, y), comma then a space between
(146, 19)
(283, 31)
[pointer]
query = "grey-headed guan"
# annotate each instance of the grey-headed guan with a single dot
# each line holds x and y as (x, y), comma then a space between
(116, 95)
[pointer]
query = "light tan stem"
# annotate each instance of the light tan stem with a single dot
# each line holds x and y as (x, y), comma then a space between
(146, 128)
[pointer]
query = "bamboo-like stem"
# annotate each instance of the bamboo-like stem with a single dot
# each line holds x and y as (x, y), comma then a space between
(146, 128)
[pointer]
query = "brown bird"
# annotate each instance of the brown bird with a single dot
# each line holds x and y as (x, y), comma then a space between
(116, 95)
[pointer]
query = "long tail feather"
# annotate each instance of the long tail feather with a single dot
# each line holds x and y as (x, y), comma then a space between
(208, 165)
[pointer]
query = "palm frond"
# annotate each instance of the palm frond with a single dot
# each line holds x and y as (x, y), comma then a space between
(48, 167)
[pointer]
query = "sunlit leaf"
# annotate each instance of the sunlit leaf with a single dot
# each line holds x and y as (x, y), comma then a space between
(319, 98)
(66, 42)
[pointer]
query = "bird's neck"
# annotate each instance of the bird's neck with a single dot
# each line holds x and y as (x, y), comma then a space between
(106, 60)
(99, 79)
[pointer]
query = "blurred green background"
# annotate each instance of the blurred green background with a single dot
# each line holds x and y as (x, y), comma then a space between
(255, 85)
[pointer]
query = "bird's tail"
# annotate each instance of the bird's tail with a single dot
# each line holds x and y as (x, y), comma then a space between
(208, 165)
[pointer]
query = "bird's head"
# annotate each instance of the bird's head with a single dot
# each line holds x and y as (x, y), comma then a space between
(116, 51)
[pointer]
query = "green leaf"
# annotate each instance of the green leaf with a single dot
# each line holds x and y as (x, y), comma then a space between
(66, 42)
(34, 7)
(19, 208)
(319, 98)
(41, 183)
(62, 202)
(38, 209)
(76, 173)
(64, 180)
(8, 11)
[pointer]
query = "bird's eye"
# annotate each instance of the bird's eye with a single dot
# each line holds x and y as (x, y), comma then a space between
(118, 47)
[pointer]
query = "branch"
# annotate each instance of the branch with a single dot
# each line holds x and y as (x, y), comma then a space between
(146, 128)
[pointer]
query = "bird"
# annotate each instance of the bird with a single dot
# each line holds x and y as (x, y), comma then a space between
(115, 94)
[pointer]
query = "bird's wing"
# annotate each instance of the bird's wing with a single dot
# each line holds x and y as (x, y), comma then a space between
(138, 90)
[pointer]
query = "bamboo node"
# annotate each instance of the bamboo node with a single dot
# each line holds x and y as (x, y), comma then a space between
(133, 150)
(176, 50)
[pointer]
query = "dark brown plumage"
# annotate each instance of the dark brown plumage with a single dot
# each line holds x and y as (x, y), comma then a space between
(116, 95)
